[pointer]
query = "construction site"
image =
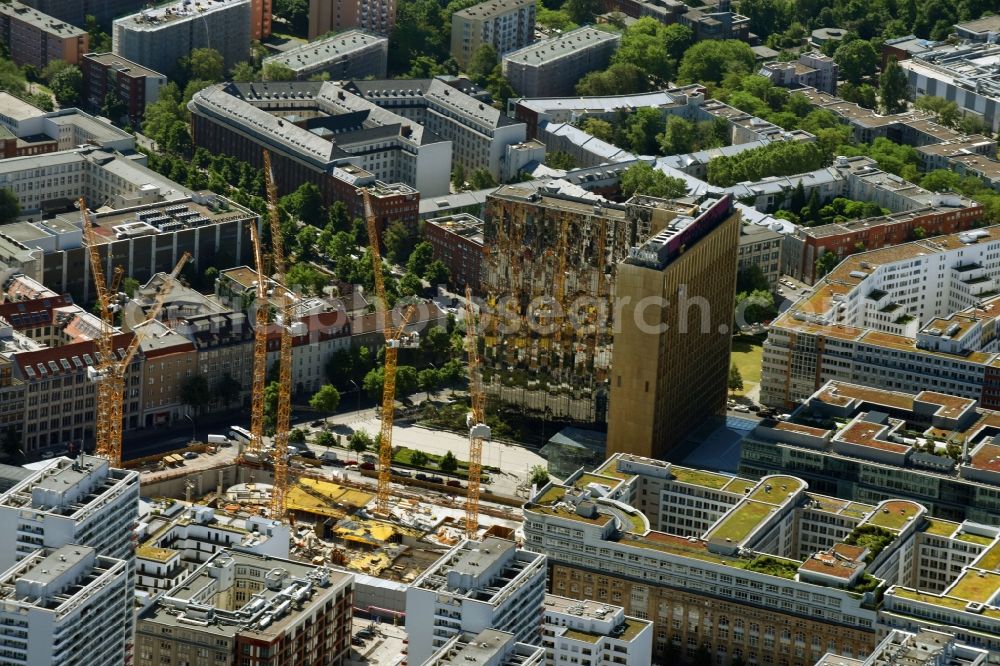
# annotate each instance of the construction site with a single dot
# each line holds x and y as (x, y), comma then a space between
(262, 497)
(549, 277)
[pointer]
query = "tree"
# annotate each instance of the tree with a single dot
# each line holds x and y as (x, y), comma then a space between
(178, 140)
(406, 380)
(206, 65)
(327, 399)
(305, 204)
(458, 176)
(277, 71)
(710, 61)
(295, 13)
(644, 45)
(297, 436)
(325, 438)
(618, 79)
(641, 130)
(163, 113)
(448, 463)
(409, 285)
(399, 241)
(679, 137)
(825, 263)
(113, 107)
(735, 379)
(642, 178)
(419, 459)
(751, 279)
(857, 60)
(598, 128)
(560, 159)
(437, 273)
(767, 17)
(10, 207)
(11, 443)
(428, 379)
(482, 63)
(945, 110)
(582, 11)
(360, 442)
(243, 72)
(420, 258)
(195, 392)
(67, 84)
(892, 86)
(538, 476)
(306, 276)
(482, 179)
(99, 41)
(777, 159)
(129, 285)
(919, 233)
(228, 390)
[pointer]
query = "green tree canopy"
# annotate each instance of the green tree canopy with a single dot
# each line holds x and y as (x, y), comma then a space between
(326, 399)
(306, 204)
(710, 61)
(642, 178)
(448, 463)
(857, 60)
(206, 64)
(195, 392)
(777, 159)
(892, 86)
(67, 84)
(277, 71)
(482, 63)
(618, 79)
(10, 207)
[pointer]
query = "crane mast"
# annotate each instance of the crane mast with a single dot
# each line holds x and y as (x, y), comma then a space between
(479, 432)
(109, 372)
(391, 355)
(261, 312)
(280, 485)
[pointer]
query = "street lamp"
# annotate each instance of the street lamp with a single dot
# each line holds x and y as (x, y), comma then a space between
(194, 434)
(357, 391)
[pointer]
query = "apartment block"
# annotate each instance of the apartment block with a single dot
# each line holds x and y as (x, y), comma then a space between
(553, 66)
(458, 243)
(241, 606)
(966, 74)
(812, 69)
(36, 39)
(760, 246)
(375, 16)
(713, 20)
(353, 54)
(261, 13)
(907, 318)
(81, 501)
(180, 538)
(486, 648)
(871, 444)
(593, 633)
(135, 85)
(658, 395)
(343, 143)
(456, 110)
(31, 131)
(506, 25)
(158, 38)
(753, 571)
(477, 585)
(65, 605)
(76, 12)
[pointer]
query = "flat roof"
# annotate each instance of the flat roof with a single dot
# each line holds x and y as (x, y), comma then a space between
(16, 108)
(183, 10)
(566, 44)
(119, 63)
(493, 8)
(330, 48)
(43, 22)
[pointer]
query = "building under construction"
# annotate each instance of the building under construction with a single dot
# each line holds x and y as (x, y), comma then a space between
(549, 274)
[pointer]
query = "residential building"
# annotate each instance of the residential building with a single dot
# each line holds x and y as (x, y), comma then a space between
(812, 69)
(81, 501)
(170, 360)
(458, 243)
(477, 585)
(506, 25)
(871, 444)
(76, 12)
(754, 571)
(261, 14)
(372, 145)
(39, 132)
(985, 29)
(966, 74)
(158, 38)
(760, 246)
(593, 632)
(907, 318)
(713, 20)
(135, 85)
(924, 646)
(486, 648)
(66, 605)
(456, 110)
(659, 392)
(179, 538)
(553, 66)
(36, 39)
(353, 54)
(375, 16)
(902, 48)
(239, 606)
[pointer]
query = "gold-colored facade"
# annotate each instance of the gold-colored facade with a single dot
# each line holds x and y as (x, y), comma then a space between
(673, 321)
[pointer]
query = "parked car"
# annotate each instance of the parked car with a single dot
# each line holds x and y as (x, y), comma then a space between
(360, 642)
(190, 455)
(367, 465)
(308, 454)
(350, 463)
(421, 476)
(455, 483)
(365, 633)
(435, 479)
(336, 463)
(318, 423)
(402, 472)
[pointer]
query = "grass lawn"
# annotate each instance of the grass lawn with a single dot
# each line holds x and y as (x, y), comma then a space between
(742, 521)
(748, 353)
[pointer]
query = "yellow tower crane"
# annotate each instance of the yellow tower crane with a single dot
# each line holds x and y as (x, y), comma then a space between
(280, 483)
(479, 432)
(391, 354)
(261, 312)
(112, 365)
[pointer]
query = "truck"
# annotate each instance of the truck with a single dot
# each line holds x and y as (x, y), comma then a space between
(221, 440)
